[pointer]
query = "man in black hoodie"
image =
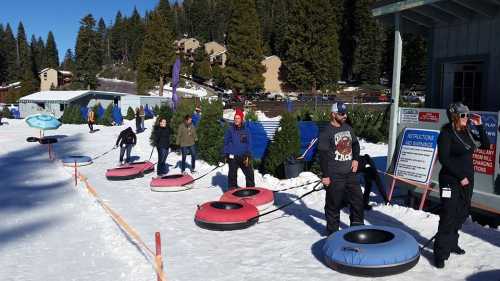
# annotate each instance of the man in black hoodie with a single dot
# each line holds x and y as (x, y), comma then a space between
(338, 149)
(126, 140)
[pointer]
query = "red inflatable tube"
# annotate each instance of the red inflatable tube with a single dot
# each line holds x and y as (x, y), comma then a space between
(260, 197)
(222, 215)
(170, 183)
(130, 171)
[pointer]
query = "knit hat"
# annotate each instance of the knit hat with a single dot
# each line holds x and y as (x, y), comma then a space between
(455, 109)
(240, 113)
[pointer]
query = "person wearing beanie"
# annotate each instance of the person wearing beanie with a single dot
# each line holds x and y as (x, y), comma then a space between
(237, 151)
(338, 150)
(456, 144)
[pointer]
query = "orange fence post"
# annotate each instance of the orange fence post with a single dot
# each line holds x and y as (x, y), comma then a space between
(159, 260)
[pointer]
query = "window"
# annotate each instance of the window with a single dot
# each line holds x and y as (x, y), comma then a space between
(467, 84)
(41, 105)
(45, 76)
(61, 107)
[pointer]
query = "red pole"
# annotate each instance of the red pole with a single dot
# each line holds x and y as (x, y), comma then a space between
(158, 254)
(76, 174)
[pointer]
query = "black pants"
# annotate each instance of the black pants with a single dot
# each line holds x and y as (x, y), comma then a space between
(454, 212)
(370, 175)
(125, 148)
(234, 164)
(91, 126)
(343, 188)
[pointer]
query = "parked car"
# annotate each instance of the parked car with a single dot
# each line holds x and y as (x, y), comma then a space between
(276, 96)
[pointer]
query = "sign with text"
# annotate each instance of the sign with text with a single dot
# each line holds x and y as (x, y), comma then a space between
(416, 156)
(428, 116)
(409, 116)
(484, 159)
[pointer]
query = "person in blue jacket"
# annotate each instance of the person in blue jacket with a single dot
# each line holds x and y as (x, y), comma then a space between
(237, 151)
(196, 116)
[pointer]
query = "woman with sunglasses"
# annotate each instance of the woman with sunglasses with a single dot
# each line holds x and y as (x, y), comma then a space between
(456, 144)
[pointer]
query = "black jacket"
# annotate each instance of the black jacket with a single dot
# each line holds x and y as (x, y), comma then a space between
(162, 137)
(126, 136)
(455, 151)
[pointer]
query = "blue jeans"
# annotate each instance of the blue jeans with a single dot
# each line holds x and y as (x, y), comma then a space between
(192, 151)
(162, 158)
(127, 148)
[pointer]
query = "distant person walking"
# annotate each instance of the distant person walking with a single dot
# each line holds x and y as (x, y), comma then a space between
(126, 140)
(186, 139)
(137, 120)
(196, 116)
(91, 119)
(142, 115)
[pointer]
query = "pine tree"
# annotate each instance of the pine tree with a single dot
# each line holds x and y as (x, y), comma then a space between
(135, 37)
(69, 61)
(102, 37)
(51, 52)
(244, 70)
(414, 60)
(86, 53)
(210, 132)
(3, 58)
(178, 19)
(37, 53)
(130, 114)
(117, 39)
(6, 112)
(201, 67)
(369, 41)
(107, 119)
(221, 12)
(10, 46)
(312, 59)
(27, 70)
(158, 54)
(200, 20)
(286, 143)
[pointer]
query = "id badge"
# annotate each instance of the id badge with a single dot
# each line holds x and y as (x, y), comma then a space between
(446, 192)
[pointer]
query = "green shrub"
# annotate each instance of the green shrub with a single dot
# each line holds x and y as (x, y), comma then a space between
(6, 112)
(369, 125)
(107, 119)
(130, 113)
(251, 115)
(210, 132)
(286, 143)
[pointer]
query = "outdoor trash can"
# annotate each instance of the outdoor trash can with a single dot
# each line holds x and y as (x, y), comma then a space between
(293, 167)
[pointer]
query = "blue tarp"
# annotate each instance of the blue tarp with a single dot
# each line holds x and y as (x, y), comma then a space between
(148, 113)
(196, 117)
(100, 111)
(15, 113)
(117, 115)
(84, 111)
(259, 138)
(308, 131)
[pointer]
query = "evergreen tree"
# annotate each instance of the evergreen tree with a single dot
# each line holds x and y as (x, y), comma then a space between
(369, 41)
(41, 61)
(210, 132)
(277, 40)
(107, 118)
(158, 54)
(286, 143)
(221, 12)
(312, 59)
(69, 61)
(244, 70)
(414, 60)
(6, 112)
(102, 37)
(10, 46)
(200, 20)
(178, 19)
(117, 39)
(3, 57)
(86, 53)
(135, 37)
(27, 70)
(130, 114)
(201, 67)
(51, 52)
(37, 54)
(166, 12)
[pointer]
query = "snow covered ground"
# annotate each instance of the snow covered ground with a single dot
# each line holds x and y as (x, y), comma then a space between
(52, 230)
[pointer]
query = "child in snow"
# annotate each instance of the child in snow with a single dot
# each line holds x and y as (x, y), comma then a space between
(91, 119)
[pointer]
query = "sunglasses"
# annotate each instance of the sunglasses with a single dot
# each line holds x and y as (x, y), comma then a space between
(464, 115)
(341, 113)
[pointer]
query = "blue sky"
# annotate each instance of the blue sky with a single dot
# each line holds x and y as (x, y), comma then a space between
(63, 17)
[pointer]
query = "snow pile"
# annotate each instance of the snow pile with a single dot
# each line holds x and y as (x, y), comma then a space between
(52, 230)
(188, 91)
(229, 114)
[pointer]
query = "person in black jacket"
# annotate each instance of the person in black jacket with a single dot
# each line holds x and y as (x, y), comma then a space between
(126, 140)
(161, 139)
(338, 149)
(456, 144)
(370, 174)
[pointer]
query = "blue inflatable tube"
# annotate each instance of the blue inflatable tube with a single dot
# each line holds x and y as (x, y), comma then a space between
(79, 160)
(369, 250)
